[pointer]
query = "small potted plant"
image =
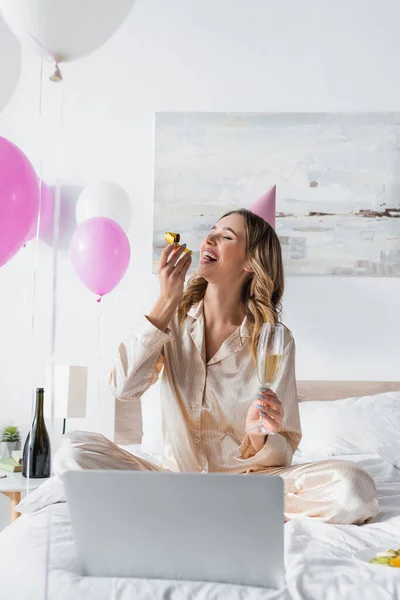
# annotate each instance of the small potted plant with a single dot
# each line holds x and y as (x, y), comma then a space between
(10, 441)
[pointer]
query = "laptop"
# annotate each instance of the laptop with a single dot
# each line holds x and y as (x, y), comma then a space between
(178, 526)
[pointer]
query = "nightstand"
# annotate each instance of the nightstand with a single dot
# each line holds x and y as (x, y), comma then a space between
(13, 485)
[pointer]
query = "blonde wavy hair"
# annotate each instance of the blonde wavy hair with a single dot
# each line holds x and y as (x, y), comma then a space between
(263, 291)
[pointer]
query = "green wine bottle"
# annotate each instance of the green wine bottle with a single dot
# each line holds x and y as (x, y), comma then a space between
(37, 450)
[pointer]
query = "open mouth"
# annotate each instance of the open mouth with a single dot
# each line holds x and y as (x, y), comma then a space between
(208, 257)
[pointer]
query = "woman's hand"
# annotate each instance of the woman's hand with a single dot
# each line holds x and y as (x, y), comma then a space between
(268, 407)
(171, 273)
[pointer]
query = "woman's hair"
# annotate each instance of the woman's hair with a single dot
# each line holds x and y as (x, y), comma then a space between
(263, 291)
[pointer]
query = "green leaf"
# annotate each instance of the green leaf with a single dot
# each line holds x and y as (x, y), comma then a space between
(11, 434)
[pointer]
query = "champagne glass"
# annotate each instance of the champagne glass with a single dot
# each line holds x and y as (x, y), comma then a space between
(269, 359)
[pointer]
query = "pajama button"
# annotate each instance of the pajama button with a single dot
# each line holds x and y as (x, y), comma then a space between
(196, 440)
(194, 407)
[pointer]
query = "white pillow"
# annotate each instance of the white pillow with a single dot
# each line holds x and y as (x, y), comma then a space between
(370, 424)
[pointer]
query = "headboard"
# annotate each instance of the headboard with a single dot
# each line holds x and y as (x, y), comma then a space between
(128, 415)
(128, 422)
(334, 390)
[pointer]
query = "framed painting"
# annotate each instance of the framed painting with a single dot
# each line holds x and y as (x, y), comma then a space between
(337, 178)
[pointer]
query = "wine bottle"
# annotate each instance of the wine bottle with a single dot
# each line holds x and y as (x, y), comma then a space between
(37, 444)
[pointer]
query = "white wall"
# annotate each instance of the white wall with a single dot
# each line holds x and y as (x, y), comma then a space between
(208, 55)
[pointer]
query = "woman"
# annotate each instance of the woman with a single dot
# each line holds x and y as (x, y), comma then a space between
(204, 341)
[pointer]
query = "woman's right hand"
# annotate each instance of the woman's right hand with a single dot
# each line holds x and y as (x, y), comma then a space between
(172, 272)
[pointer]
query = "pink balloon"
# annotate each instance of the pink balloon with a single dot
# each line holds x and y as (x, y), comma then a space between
(46, 213)
(100, 254)
(19, 199)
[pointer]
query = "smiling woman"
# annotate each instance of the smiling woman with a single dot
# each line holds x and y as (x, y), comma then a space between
(203, 341)
(243, 252)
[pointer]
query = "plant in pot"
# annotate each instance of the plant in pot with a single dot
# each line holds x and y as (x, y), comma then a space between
(10, 441)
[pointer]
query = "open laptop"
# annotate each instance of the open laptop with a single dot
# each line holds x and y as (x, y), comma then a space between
(197, 527)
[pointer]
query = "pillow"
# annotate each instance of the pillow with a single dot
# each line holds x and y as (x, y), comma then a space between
(366, 425)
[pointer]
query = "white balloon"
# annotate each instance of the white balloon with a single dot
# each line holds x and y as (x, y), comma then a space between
(64, 30)
(10, 64)
(105, 199)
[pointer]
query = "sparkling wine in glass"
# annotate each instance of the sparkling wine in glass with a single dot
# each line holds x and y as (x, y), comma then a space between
(269, 359)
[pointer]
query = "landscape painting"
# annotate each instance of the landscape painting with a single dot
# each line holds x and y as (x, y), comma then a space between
(337, 178)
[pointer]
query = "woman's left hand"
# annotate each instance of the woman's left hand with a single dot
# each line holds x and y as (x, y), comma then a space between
(269, 408)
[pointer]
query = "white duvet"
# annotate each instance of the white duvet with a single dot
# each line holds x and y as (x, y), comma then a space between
(319, 559)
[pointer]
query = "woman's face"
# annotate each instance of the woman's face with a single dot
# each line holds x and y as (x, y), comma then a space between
(222, 254)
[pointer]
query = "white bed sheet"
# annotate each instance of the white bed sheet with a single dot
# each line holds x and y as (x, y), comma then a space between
(319, 558)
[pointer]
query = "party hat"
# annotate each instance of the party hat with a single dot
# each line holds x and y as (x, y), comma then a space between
(264, 207)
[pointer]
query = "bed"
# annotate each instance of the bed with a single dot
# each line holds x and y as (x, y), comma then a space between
(319, 557)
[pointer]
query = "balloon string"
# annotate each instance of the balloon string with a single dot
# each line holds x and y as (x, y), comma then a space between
(99, 367)
(56, 76)
(56, 234)
(99, 345)
(35, 265)
(47, 560)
